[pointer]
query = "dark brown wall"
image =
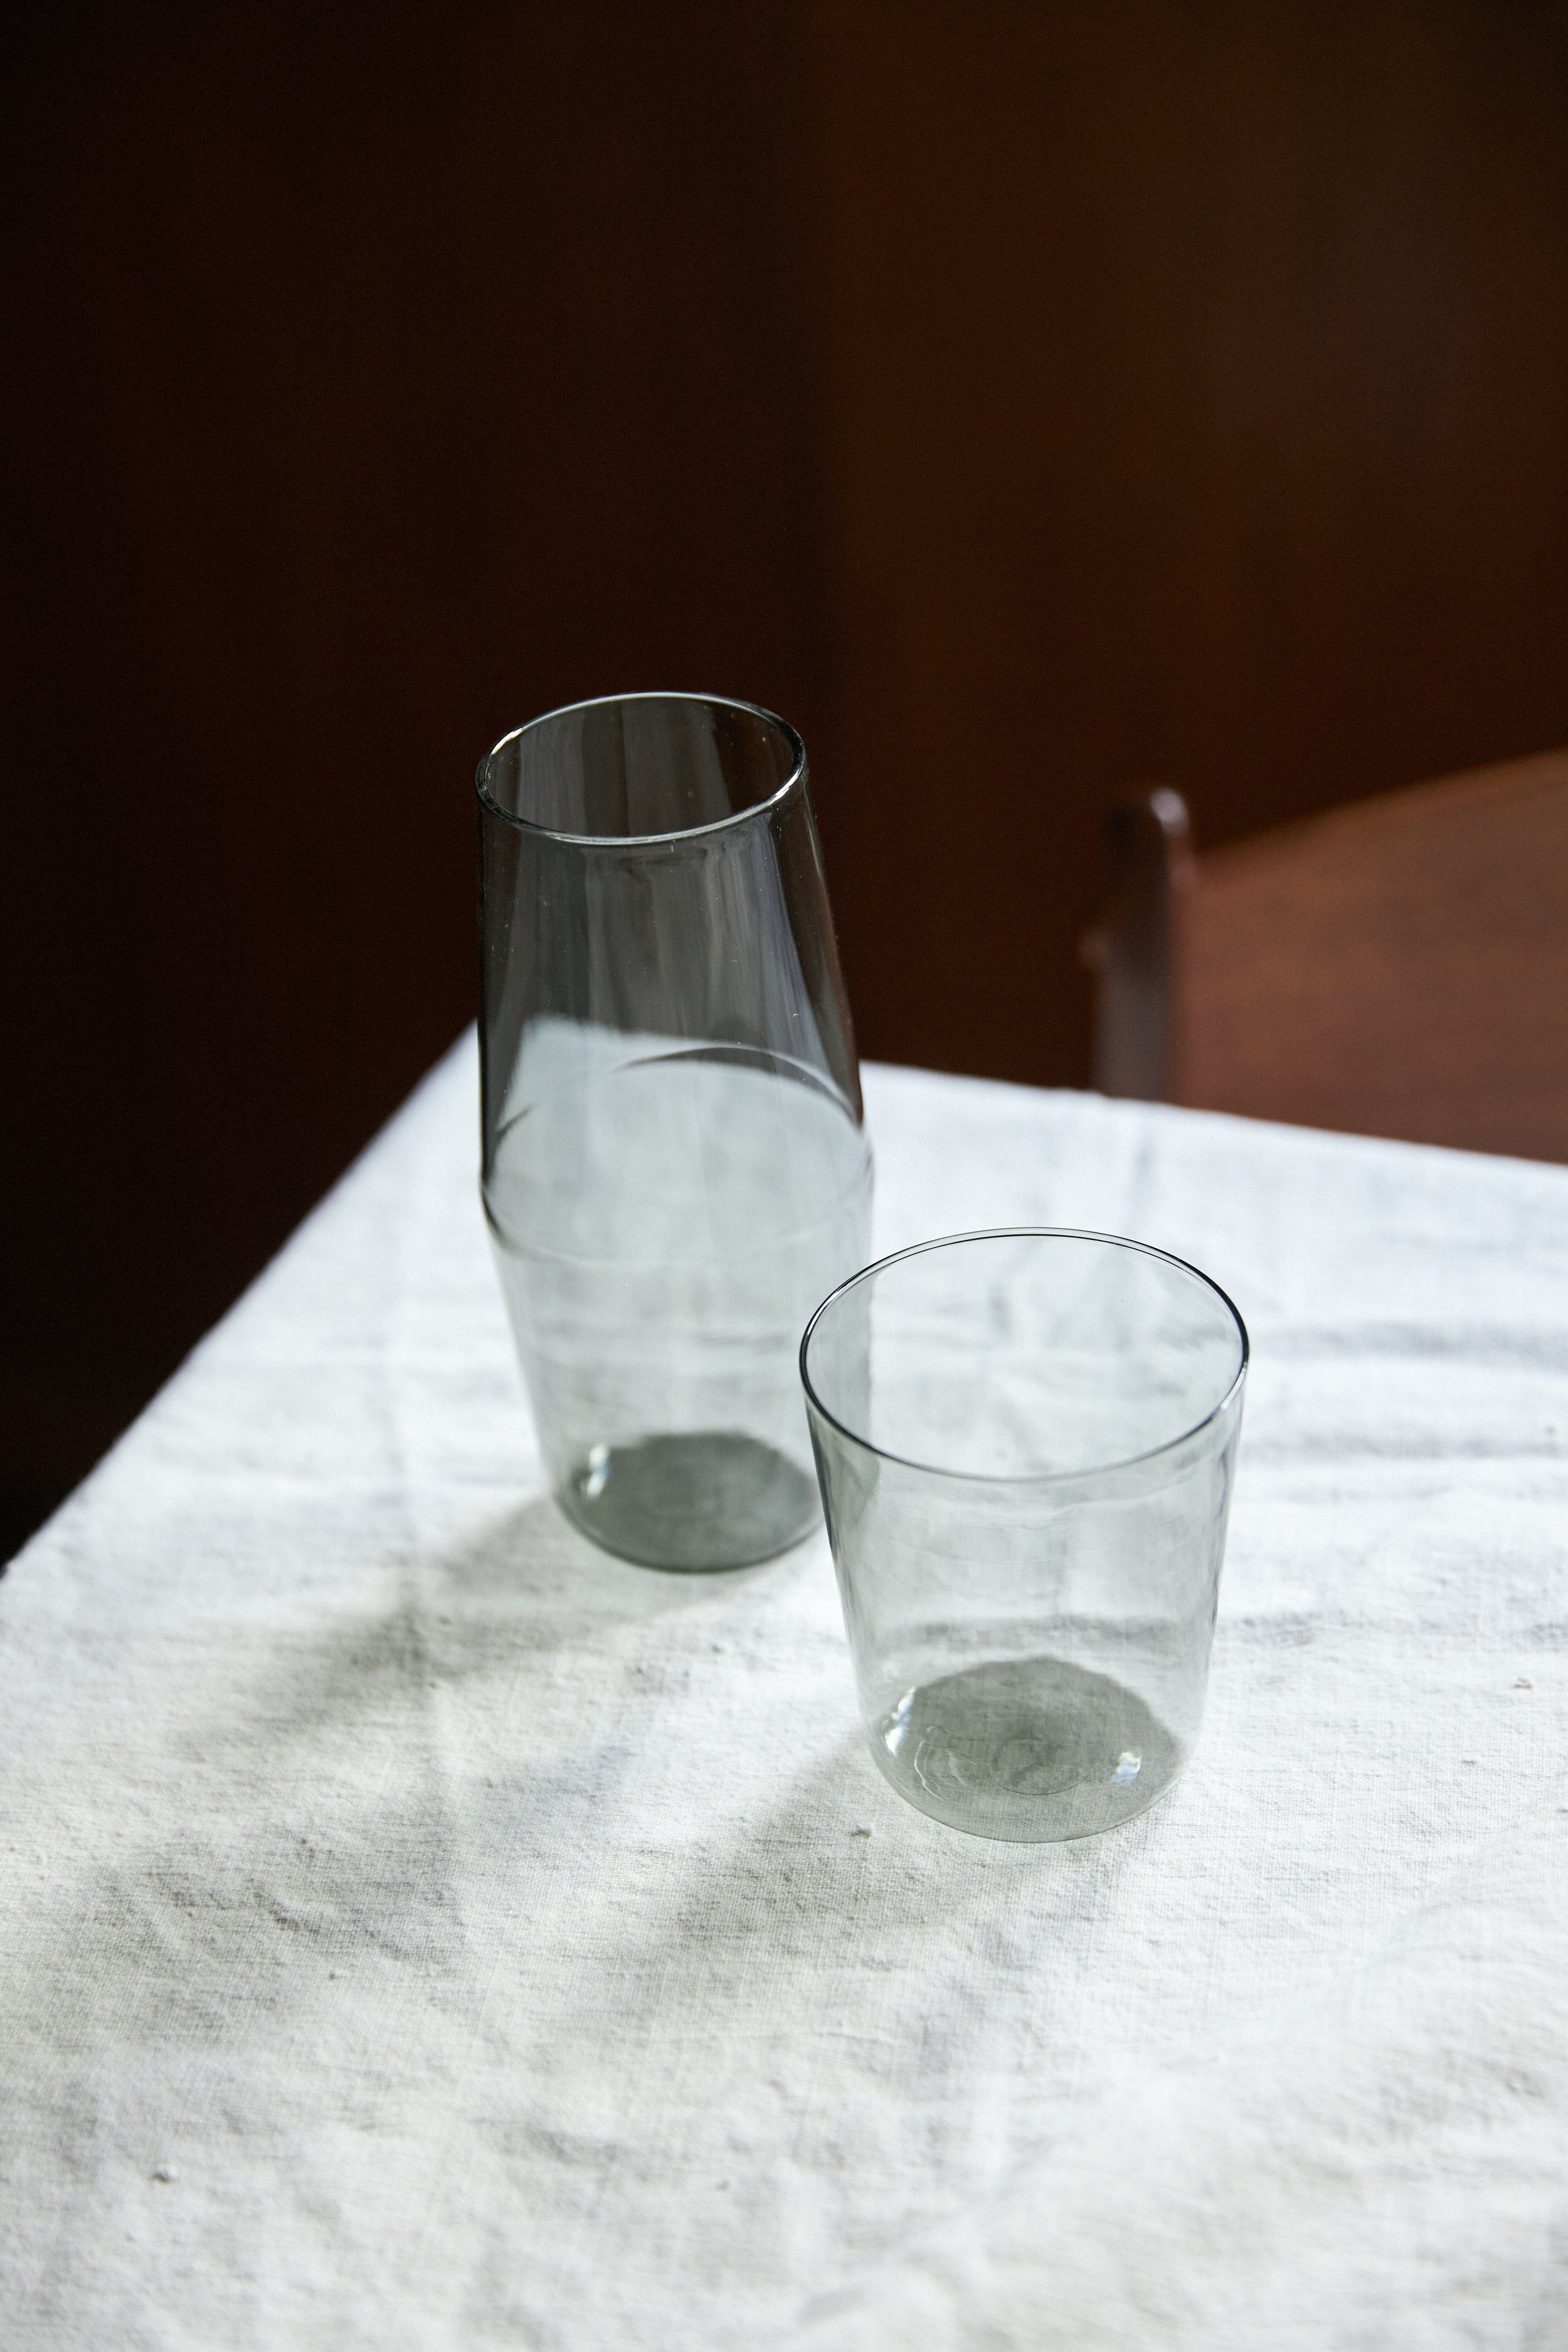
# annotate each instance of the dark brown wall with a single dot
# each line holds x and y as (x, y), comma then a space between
(381, 376)
(1024, 399)
(1199, 393)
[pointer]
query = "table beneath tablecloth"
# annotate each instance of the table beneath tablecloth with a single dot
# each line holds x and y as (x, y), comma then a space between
(418, 1929)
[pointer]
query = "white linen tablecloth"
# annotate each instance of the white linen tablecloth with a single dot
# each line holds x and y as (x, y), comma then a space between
(420, 1930)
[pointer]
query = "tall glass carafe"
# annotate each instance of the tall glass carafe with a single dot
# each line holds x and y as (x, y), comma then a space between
(675, 1166)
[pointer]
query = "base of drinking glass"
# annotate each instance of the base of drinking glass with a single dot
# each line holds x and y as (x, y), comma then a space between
(700, 1500)
(1030, 1750)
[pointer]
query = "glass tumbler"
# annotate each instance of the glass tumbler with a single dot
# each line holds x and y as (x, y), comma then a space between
(1026, 1442)
(675, 1163)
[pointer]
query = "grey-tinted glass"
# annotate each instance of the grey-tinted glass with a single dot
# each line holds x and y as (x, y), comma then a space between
(1026, 1443)
(675, 1164)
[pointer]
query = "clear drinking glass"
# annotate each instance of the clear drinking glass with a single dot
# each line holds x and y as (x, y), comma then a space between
(1026, 1442)
(675, 1162)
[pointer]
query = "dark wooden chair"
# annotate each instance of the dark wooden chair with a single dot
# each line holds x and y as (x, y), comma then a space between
(1397, 966)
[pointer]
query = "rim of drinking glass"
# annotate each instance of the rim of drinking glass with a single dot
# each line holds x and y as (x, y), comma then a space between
(1028, 1234)
(639, 840)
